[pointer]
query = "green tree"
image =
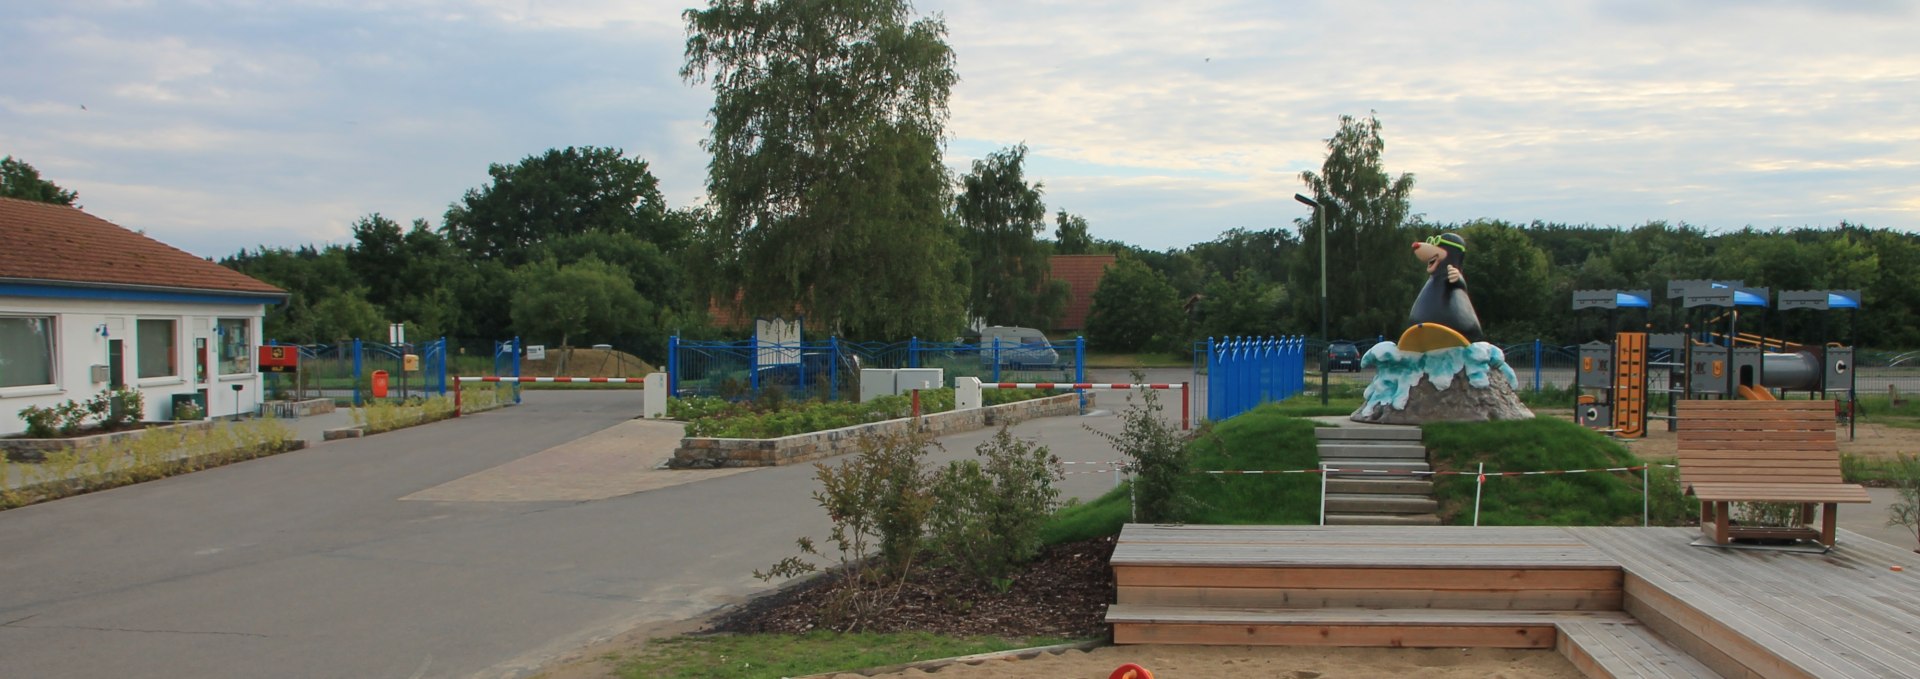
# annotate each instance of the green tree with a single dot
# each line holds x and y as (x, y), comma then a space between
(378, 255)
(1371, 277)
(1070, 235)
(20, 180)
(347, 314)
(1242, 305)
(826, 128)
(561, 192)
(1134, 309)
(1510, 282)
(588, 297)
(1001, 216)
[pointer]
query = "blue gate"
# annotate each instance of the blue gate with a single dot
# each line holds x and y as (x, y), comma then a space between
(1244, 372)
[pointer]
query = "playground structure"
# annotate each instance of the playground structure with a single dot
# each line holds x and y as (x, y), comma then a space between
(1615, 377)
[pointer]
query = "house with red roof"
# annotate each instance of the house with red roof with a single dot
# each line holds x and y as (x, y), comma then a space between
(1082, 274)
(86, 305)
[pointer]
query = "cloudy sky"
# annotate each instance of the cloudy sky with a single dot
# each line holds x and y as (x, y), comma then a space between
(214, 124)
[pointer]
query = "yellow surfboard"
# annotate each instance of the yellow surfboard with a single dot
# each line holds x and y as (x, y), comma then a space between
(1425, 337)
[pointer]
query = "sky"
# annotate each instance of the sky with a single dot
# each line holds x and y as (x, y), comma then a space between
(215, 125)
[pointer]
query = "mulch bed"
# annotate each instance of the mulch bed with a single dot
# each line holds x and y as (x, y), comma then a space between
(1062, 593)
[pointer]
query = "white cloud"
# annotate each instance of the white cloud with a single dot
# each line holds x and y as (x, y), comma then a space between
(1164, 123)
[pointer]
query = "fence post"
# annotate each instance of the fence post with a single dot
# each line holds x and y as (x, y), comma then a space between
(1536, 364)
(1323, 493)
(913, 352)
(518, 349)
(1479, 482)
(1080, 368)
(445, 358)
(996, 359)
(673, 365)
(833, 367)
(356, 372)
(1646, 477)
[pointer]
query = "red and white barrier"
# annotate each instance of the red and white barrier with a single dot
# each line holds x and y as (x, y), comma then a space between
(967, 392)
(653, 396)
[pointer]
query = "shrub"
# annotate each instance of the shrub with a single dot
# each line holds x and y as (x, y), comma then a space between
(1156, 456)
(41, 422)
(987, 518)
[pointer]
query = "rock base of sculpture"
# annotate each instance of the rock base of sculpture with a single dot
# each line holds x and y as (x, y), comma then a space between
(1459, 384)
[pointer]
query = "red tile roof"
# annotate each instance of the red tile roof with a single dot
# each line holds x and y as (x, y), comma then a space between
(1082, 274)
(47, 242)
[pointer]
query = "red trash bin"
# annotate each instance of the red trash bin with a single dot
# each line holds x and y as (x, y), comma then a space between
(379, 384)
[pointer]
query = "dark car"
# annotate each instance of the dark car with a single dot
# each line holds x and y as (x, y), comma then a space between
(1343, 356)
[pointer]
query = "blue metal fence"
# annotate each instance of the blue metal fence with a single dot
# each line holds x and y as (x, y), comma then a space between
(1244, 372)
(830, 368)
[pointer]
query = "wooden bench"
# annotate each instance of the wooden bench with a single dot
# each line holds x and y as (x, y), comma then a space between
(1763, 451)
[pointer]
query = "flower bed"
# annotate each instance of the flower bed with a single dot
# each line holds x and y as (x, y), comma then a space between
(37, 449)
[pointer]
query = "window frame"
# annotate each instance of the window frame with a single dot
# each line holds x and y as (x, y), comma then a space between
(52, 385)
(242, 363)
(173, 350)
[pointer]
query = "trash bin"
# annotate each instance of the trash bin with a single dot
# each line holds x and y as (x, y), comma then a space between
(379, 384)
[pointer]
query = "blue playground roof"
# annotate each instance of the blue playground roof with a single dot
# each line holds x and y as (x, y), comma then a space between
(1623, 299)
(1838, 301)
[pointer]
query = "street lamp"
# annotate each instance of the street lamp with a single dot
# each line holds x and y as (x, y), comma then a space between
(1320, 216)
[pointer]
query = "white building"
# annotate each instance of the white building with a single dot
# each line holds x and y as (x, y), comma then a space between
(86, 305)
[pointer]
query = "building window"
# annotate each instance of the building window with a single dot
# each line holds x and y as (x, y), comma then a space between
(236, 354)
(26, 351)
(158, 351)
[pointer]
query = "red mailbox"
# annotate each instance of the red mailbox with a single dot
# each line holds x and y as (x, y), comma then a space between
(379, 384)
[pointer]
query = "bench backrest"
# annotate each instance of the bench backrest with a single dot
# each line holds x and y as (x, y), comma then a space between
(1758, 442)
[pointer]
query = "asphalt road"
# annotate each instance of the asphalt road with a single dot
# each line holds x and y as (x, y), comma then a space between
(309, 565)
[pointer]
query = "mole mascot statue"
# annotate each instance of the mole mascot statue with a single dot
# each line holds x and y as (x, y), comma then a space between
(1442, 369)
(1443, 301)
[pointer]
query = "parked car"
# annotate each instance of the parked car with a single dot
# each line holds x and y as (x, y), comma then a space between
(1016, 347)
(1343, 356)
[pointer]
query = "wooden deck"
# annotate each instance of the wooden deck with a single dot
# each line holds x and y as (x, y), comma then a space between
(1618, 602)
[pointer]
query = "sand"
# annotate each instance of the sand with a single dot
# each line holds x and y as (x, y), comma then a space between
(1265, 662)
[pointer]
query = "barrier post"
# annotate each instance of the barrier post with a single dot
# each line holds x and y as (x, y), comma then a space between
(1080, 368)
(456, 397)
(1186, 406)
(518, 349)
(1479, 482)
(916, 406)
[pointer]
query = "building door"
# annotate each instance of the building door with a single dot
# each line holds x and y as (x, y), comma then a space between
(200, 360)
(116, 364)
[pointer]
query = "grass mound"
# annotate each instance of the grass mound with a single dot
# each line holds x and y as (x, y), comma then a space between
(1540, 444)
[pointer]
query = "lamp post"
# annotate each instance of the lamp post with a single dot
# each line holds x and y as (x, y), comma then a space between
(1320, 216)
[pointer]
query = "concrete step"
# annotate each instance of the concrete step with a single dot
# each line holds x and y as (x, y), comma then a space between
(1379, 465)
(1376, 433)
(1350, 503)
(1330, 450)
(1382, 519)
(1380, 485)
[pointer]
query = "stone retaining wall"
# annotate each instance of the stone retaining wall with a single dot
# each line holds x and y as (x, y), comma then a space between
(36, 450)
(294, 409)
(711, 453)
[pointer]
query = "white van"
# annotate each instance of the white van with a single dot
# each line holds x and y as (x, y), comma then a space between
(1017, 347)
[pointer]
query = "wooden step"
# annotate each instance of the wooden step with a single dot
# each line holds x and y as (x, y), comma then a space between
(1372, 450)
(1396, 628)
(1411, 595)
(1367, 433)
(1381, 485)
(1608, 649)
(1382, 519)
(1349, 503)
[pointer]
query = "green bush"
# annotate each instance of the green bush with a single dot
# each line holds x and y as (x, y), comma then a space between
(1155, 456)
(1540, 444)
(987, 518)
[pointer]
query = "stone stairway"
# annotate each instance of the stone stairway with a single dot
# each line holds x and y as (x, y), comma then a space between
(1356, 499)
